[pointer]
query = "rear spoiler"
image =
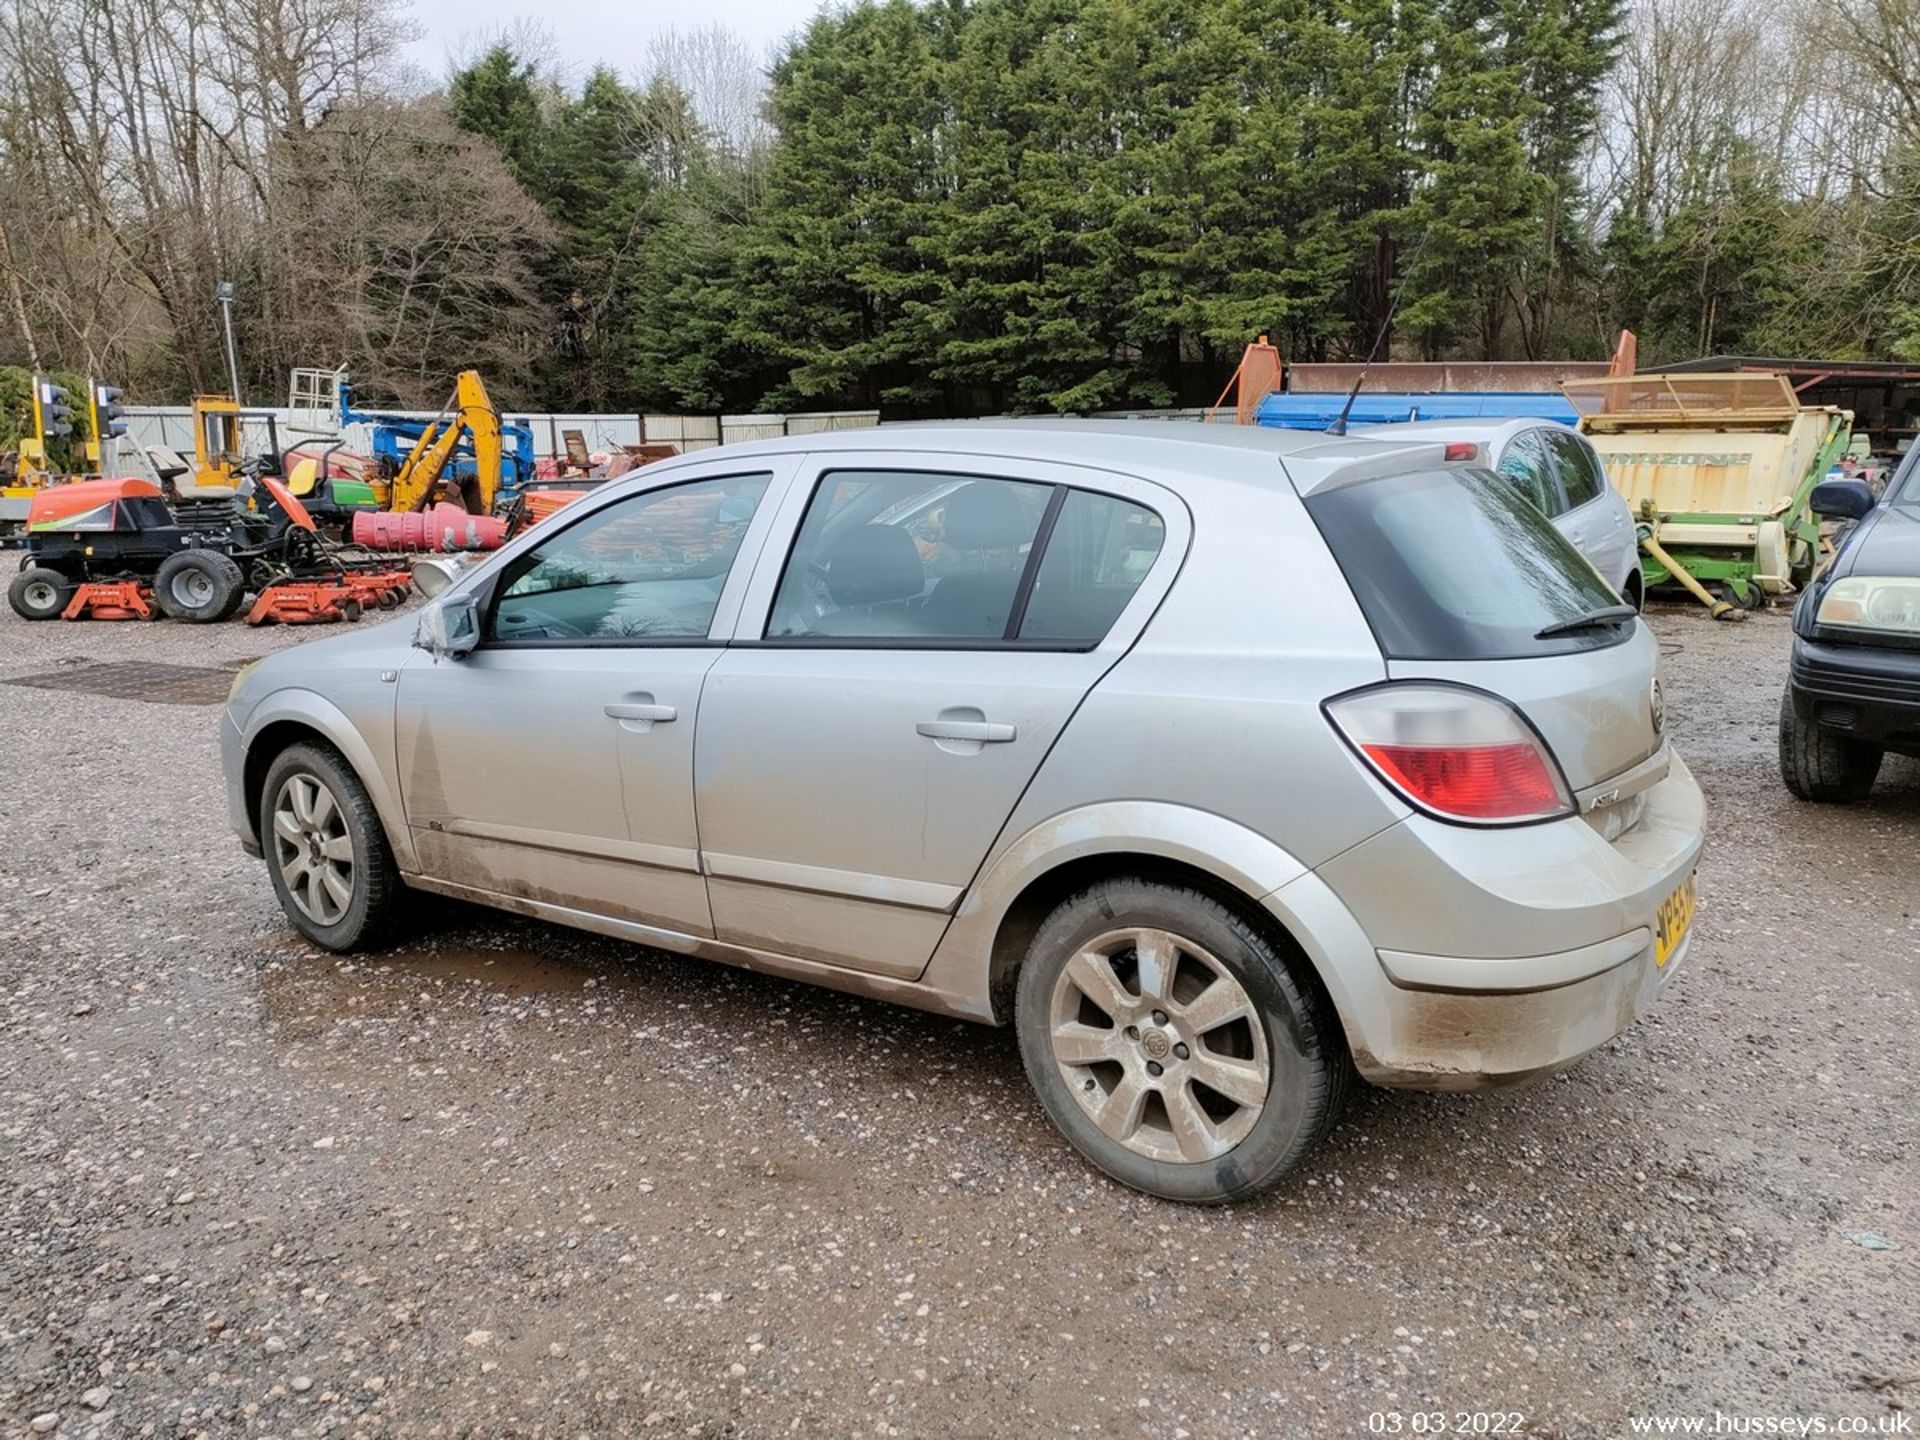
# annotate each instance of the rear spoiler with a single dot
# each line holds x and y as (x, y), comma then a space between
(1348, 462)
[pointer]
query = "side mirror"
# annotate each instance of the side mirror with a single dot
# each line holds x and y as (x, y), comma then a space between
(1841, 499)
(449, 629)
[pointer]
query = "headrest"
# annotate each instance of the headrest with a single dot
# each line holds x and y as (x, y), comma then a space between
(872, 564)
(985, 516)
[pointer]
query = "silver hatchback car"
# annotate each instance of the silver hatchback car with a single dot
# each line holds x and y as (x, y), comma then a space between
(1225, 764)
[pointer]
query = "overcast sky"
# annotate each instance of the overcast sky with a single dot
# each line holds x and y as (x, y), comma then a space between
(589, 32)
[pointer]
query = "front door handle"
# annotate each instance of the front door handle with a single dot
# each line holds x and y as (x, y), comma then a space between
(641, 714)
(983, 732)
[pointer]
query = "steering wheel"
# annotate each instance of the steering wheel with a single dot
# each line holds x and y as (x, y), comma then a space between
(816, 595)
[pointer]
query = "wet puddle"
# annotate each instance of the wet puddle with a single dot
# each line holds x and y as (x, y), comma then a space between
(510, 971)
(305, 993)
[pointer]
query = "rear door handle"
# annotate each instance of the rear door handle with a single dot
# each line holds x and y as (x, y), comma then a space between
(984, 732)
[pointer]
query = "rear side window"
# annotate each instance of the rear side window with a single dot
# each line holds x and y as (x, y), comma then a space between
(917, 554)
(923, 557)
(1526, 466)
(1100, 550)
(1452, 565)
(1579, 473)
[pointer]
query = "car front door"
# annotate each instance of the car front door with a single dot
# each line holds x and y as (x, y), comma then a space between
(904, 667)
(554, 763)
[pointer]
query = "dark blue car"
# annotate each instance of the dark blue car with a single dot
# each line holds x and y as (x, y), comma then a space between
(1853, 690)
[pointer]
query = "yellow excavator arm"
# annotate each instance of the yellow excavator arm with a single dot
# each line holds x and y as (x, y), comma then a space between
(468, 414)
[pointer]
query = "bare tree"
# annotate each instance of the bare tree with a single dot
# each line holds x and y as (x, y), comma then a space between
(148, 140)
(412, 251)
(724, 82)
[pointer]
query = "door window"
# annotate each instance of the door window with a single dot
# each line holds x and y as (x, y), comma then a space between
(1100, 550)
(913, 555)
(1580, 474)
(1528, 467)
(644, 569)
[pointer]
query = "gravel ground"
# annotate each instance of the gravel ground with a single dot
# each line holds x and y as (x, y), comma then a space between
(517, 1181)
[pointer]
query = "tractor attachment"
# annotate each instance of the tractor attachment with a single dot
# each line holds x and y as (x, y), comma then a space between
(111, 600)
(305, 602)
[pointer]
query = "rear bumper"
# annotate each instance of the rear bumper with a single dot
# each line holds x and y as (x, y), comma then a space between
(1476, 1039)
(1869, 692)
(1464, 959)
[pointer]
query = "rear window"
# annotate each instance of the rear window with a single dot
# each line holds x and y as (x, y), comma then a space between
(1453, 565)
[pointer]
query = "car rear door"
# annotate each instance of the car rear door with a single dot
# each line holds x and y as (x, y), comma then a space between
(1528, 465)
(554, 763)
(1595, 521)
(904, 666)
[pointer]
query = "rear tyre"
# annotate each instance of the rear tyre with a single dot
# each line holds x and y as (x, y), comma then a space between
(1818, 764)
(326, 851)
(1174, 1045)
(199, 586)
(39, 593)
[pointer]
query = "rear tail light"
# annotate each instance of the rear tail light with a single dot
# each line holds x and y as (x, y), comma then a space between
(1458, 754)
(1461, 450)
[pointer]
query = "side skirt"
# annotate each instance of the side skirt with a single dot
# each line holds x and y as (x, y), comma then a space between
(812, 972)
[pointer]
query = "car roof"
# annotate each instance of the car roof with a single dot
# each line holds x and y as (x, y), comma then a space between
(1198, 453)
(1486, 430)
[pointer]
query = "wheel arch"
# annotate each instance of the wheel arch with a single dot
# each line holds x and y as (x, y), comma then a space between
(980, 955)
(292, 717)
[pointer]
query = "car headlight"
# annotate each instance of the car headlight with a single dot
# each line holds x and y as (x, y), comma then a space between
(239, 679)
(1873, 602)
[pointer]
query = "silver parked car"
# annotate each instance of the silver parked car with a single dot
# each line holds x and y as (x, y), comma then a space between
(1223, 763)
(1556, 468)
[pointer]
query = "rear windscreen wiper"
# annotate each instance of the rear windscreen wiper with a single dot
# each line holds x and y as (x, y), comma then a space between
(1605, 615)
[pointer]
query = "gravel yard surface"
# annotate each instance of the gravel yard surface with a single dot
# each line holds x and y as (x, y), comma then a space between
(511, 1180)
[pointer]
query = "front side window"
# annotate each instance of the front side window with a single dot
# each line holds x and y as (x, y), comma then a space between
(1525, 465)
(915, 555)
(1579, 474)
(648, 568)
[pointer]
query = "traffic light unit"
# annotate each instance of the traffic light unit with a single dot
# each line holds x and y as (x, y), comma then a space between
(55, 406)
(52, 420)
(108, 422)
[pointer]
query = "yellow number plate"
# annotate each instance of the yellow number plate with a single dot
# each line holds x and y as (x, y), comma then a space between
(1671, 924)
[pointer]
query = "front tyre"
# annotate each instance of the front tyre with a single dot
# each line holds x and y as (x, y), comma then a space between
(328, 856)
(1818, 764)
(1174, 1045)
(39, 593)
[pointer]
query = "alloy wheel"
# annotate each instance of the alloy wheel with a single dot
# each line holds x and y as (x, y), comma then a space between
(1160, 1044)
(313, 849)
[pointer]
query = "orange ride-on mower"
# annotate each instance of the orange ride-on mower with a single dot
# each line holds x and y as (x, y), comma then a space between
(200, 563)
(103, 531)
(106, 531)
